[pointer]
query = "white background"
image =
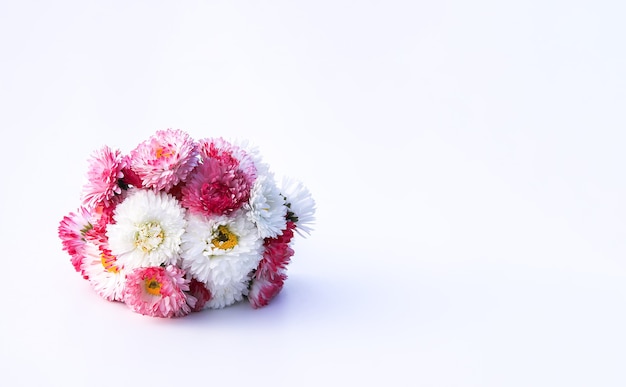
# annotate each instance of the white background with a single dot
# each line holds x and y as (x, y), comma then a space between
(467, 159)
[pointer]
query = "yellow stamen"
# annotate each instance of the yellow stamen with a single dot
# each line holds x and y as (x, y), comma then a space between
(149, 236)
(224, 238)
(153, 287)
(163, 152)
(109, 263)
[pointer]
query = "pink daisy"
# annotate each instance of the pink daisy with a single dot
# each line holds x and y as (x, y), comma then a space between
(165, 159)
(72, 230)
(106, 277)
(103, 177)
(222, 183)
(229, 154)
(158, 292)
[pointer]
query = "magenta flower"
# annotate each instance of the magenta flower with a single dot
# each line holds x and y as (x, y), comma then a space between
(278, 252)
(228, 154)
(222, 183)
(202, 295)
(104, 175)
(131, 178)
(158, 292)
(215, 188)
(164, 159)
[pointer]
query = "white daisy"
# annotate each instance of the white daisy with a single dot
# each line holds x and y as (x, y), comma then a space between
(221, 252)
(147, 230)
(104, 275)
(266, 207)
(301, 205)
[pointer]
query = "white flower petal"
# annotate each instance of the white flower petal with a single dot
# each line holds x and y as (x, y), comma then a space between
(147, 230)
(301, 204)
(224, 267)
(266, 207)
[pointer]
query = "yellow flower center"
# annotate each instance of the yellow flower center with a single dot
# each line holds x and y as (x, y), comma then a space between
(153, 287)
(149, 236)
(224, 239)
(108, 262)
(163, 152)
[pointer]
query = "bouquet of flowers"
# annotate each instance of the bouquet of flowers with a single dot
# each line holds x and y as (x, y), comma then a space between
(179, 225)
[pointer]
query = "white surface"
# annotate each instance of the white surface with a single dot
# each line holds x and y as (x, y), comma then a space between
(467, 159)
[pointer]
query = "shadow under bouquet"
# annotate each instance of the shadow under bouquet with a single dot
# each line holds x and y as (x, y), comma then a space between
(179, 225)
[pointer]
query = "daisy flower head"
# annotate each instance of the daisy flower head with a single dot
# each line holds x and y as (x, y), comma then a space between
(239, 155)
(106, 277)
(72, 230)
(103, 177)
(147, 229)
(165, 159)
(221, 184)
(266, 207)
(158, 292)
(216, 188)
(221, 252)
(301, 206)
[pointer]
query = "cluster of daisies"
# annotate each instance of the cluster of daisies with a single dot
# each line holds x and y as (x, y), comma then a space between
(180, 225)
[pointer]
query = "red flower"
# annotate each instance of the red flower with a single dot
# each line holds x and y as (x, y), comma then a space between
(269, 277)
(265, 288)
(200, 292)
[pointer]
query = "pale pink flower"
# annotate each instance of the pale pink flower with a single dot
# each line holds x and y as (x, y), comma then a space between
(103, 177)
(158, 291)
(72, 230)
(165, 159)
